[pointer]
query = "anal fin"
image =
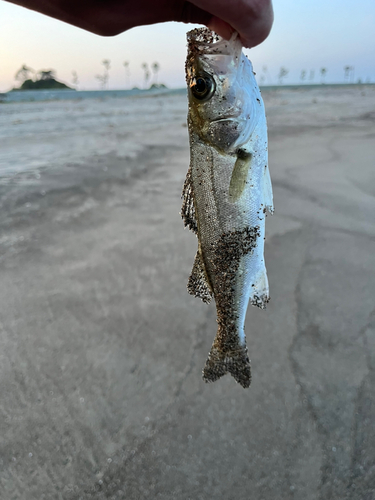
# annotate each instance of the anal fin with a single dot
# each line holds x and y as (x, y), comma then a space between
(198, 283)
(267, 190)
(260, 295)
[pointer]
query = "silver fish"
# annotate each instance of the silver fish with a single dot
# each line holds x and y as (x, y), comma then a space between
(226, 193)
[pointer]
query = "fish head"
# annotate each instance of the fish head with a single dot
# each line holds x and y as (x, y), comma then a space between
(225, 104)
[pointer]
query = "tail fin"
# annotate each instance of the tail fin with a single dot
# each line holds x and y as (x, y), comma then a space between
(219, 363)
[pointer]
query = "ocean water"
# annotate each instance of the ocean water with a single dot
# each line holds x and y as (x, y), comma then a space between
(62, 95)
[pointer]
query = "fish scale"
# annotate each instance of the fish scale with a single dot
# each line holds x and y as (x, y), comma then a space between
(226, 193)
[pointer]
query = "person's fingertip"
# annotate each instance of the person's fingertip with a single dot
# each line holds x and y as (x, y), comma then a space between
(220, 27)
(247, 44)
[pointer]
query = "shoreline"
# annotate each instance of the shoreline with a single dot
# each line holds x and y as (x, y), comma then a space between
(16, 95)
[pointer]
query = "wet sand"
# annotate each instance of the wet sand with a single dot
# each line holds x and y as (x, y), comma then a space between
(102, 348)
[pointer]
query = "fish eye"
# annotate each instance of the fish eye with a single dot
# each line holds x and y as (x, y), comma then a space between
(202, 87)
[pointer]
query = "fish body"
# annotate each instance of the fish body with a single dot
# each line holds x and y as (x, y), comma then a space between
(226, 193)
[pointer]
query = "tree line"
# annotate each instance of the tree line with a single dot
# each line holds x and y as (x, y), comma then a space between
(308, 76)
(151, 72)
(147, 69)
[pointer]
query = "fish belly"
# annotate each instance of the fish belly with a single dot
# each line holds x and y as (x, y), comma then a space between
(231, 233)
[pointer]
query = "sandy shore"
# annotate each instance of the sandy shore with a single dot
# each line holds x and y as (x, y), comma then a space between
(102, 348)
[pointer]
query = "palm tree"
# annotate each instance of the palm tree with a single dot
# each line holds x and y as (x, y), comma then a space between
(323, 72)
(48, 74)
(107, 66)
(144, 66)
(349, 73)
(303, 75)
(127, 73)
(102, 79)
(75, 78)
(282, 74)
(24, 73)
(266, 75)
(155, 68)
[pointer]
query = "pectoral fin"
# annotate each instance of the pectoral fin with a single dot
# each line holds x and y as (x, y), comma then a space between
(188, 208)
(239, 175)
(198, 283)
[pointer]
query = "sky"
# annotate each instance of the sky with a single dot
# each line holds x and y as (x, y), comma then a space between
(306, 36)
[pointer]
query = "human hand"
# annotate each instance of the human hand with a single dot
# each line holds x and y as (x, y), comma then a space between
(252, 19)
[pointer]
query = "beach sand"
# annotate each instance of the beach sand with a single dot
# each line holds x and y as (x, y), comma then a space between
(101, 347)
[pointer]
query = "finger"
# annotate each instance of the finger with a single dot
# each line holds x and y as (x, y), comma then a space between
(220, 27)
(258, 31)
(193, 14)
(252, 19)
(190, 13)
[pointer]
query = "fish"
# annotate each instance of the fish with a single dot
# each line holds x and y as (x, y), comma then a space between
(227, 193)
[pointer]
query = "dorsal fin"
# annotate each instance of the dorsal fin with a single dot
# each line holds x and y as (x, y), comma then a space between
(188, 208)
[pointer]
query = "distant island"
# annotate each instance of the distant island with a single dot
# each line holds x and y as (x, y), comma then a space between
(43, 80)
(158, 86)
(48, 84)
